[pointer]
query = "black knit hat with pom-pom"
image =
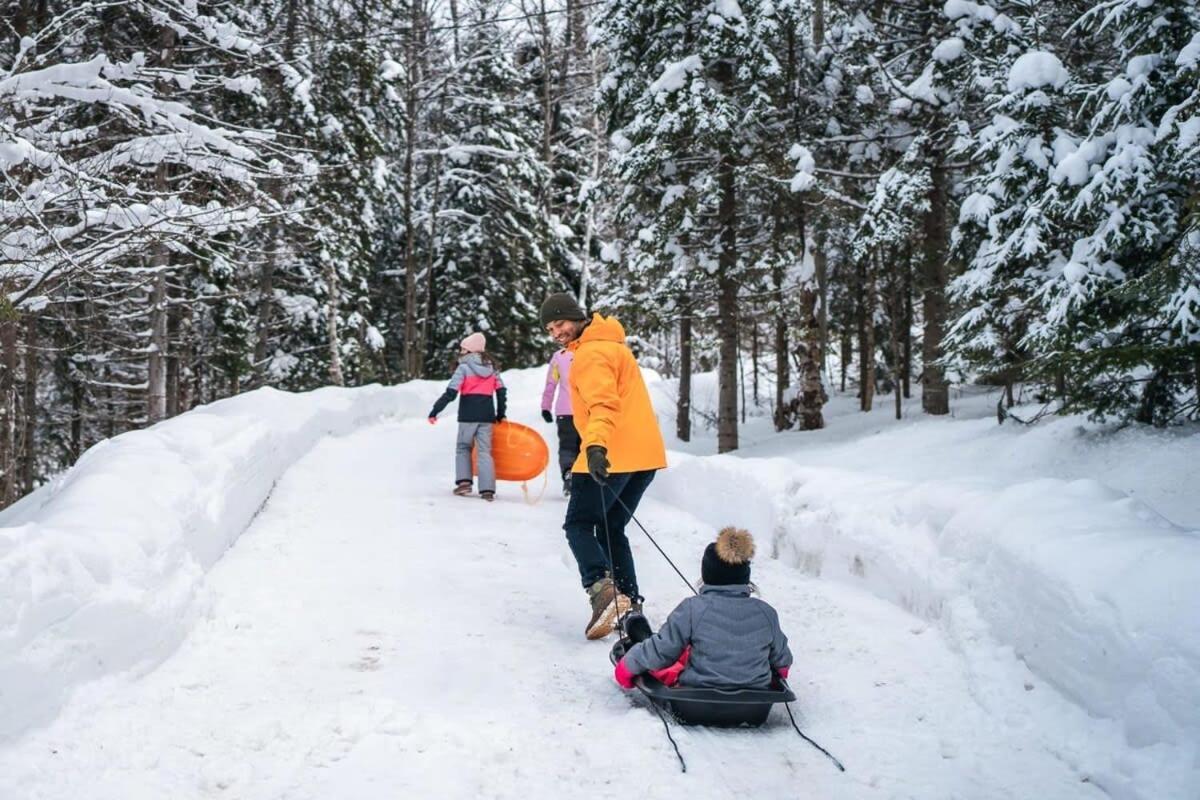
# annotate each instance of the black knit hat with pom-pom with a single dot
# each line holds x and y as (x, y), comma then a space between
(726, 561)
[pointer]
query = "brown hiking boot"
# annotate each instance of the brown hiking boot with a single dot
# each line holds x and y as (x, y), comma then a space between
(489, 496)
(607, 605)
(462, 488)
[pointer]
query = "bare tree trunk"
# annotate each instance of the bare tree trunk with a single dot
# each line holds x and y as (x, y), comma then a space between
(727, 311)
(895, 311)
(427, 317)
(32, 368)
(935, 389)
(906, 331)
(331, 313)
(847, 355)
(173, 365)
(683, 406)
(783, 378)
(454, 28)
(547, 108)
(156, 400)
(741, 376)
(754, 357)
(8, 402)
(589, 231)
(812, 391)
(866, 338)
(156, 390)
(1196, 381)
(275, 236)
(821, 267)
(77, 413)
(412, 348)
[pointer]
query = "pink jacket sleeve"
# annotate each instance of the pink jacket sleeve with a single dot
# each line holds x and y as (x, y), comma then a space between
(552, 377)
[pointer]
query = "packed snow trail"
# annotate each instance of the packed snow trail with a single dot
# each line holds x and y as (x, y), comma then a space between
(370, 635)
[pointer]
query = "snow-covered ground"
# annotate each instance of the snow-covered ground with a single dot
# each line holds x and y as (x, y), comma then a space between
(276, 597)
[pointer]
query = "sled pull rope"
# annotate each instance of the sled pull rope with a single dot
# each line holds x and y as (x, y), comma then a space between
(667, 728)
(648, 536)
(541, 493)
(829, 755)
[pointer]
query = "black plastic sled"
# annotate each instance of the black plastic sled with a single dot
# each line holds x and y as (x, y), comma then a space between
(721, 708)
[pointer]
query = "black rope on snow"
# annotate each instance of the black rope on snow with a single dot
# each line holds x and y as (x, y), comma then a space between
(837, 763)
(667, 728)
(620, 622)
(651, 538)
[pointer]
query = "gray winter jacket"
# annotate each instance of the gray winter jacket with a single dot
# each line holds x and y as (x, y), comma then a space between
(735, 639)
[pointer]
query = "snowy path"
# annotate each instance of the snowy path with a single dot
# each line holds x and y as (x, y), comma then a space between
(370, 636)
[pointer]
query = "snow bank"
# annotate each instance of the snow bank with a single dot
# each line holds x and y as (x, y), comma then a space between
(1029, 563)
(102, 570)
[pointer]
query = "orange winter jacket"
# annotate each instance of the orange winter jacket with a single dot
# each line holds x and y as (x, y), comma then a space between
(611, 404)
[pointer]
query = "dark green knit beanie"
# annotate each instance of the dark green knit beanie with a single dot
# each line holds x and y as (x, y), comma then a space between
(560, 306)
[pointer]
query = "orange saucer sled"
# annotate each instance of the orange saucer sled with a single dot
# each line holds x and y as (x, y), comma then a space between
(519, 451)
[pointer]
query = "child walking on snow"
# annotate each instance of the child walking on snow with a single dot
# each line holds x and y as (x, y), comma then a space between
(720, 638)
(477, 380)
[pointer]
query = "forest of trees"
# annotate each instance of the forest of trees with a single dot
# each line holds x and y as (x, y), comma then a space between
(202, 198)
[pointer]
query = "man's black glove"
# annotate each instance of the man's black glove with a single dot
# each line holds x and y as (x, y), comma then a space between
(546, 415)
(597, 458)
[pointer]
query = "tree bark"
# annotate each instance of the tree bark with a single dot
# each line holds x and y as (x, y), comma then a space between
(783, 377)
(29, 437)
(754, 359)
(727, 316)
(173, 360)
(906, 331)
(156, 389)
(812, 391)
(9, 335)
(847, 354)
(935, 389)
(331, 314)
(412, 348)
(683, 406)
(866, 338)
(895, 311)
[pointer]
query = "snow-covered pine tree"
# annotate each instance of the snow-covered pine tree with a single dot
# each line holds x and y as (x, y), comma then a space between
(1118, 310)
(688, 93)
(122, 174)
(919, 62)
(343, 94)
(1014, 221)
(495, 249)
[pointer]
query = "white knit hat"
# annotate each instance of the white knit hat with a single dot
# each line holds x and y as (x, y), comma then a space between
(475, 343)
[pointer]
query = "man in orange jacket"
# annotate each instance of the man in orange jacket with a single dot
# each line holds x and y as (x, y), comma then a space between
(621, 450)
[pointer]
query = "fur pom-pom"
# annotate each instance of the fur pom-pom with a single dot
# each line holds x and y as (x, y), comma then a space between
(735, 545)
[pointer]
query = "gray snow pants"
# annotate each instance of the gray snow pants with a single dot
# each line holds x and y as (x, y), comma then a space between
(480, 433)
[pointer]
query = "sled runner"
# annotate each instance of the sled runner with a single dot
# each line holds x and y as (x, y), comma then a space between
(723, 708)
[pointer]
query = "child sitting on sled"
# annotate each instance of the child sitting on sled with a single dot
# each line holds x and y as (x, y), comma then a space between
(721, 638)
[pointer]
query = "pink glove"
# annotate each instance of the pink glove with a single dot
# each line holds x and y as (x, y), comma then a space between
(433, 420)
(623, 675)
(782, 672)
(669, 676)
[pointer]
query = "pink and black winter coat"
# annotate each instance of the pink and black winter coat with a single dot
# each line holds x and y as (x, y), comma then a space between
(477, 382)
